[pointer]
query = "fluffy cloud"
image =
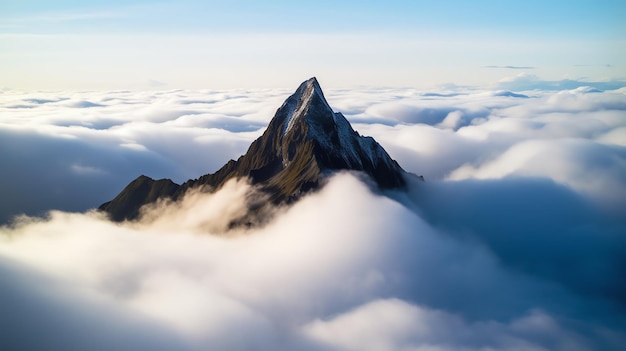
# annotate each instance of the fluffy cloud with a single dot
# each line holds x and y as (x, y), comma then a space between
(338, 264)
(514, 242)
(392, 324)
(61, 144)
(62, 153)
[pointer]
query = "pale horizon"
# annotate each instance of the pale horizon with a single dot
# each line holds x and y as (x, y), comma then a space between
(210, 45)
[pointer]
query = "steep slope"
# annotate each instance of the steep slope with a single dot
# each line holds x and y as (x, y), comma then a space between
(141, 191)
(304, 142)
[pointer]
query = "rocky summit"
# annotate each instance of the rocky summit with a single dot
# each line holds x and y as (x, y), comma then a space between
(304, 143)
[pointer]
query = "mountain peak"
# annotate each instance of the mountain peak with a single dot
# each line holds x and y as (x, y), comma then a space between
(304, 142)
(309, 85)
(307, 101)
(311, 82)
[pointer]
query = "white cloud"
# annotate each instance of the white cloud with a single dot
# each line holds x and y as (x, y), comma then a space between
(515, 240)
(343, 259)
(393, 324)
(588, 167)
(526, 81)
(616, 136)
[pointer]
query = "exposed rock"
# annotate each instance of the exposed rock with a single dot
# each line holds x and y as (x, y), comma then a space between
(304, 142)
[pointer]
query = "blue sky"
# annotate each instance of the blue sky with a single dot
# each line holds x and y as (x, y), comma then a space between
(219, 44)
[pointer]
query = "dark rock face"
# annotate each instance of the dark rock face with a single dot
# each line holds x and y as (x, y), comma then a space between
(304, 142)
(143, 190)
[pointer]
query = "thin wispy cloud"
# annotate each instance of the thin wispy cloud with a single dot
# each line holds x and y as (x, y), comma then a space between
(32, 23)
(242, 44)
(607, 65)
(156, 83)
(510, 67)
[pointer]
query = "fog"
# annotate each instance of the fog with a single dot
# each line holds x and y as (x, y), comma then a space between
(515, 241)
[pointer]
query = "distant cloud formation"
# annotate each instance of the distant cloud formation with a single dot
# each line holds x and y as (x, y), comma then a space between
(515, 241)
(526, 81)
(510, 67)
(156, 83)
(607, 65)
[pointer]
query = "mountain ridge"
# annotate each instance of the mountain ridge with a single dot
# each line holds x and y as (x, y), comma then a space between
(304, 142)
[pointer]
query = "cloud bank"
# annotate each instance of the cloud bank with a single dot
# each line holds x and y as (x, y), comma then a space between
(514, 242)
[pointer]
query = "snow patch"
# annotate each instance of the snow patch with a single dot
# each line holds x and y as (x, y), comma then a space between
(298, 109)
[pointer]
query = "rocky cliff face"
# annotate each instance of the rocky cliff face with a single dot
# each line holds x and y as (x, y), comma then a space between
(304, 142)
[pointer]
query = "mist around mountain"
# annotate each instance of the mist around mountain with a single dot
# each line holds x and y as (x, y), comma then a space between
(514, 241)
(303, 145)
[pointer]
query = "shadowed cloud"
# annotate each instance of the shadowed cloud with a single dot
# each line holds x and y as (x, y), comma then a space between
(514, 241)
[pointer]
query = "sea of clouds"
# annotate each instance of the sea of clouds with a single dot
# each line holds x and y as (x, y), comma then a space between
(515, 241)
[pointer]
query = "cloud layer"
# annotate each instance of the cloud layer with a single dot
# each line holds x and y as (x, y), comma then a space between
(514, 242)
